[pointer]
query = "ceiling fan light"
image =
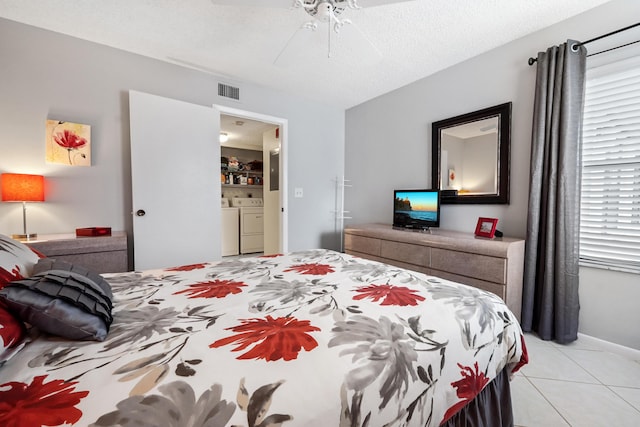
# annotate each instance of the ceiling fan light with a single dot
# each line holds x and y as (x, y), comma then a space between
(325, 12)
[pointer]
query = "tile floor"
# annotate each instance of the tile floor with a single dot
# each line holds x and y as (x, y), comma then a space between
(576, 385)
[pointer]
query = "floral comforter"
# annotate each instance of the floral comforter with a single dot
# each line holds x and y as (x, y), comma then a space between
(314, 338)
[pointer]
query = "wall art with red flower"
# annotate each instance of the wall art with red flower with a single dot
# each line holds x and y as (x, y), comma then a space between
(68, 143)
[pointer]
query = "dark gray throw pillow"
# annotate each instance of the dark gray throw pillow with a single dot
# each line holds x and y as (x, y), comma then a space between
(48, 264)
(66, 300)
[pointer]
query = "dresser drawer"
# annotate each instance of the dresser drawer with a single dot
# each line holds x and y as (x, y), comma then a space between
(104, 254)
(365, 256)
(365, 245)
(405, 252)
(499, 290)
(100, 262)
(481, 267)
(391, 262)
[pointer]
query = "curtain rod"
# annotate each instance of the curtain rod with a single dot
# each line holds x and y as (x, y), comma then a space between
(534, 60)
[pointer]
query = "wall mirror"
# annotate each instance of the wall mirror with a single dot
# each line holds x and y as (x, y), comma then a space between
(470, 156)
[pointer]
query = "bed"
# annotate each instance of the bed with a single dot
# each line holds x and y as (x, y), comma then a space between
(310, 338)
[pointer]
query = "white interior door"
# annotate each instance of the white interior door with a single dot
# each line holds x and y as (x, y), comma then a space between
(271, 198)
(175, 174)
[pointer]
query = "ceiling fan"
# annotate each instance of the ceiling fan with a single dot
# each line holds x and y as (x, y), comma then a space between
(322, 12)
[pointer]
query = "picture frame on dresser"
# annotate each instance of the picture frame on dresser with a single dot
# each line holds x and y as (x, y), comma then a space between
(486, 227)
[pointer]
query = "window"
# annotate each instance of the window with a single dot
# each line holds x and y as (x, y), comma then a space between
(610, 207)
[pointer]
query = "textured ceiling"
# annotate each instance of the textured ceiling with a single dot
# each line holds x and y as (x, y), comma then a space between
(243, 132)
(412, 39)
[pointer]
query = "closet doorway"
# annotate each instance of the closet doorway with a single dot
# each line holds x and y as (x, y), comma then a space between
(256, 141)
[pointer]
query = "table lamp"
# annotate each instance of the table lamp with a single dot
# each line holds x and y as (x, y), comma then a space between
(22, 188)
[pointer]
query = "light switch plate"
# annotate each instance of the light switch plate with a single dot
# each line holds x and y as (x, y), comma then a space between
(297, 192)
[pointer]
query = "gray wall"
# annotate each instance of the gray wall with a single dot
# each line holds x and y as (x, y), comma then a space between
(388, 146)
(45, 75)
(480, 161)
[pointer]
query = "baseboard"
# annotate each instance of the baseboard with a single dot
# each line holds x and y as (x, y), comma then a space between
(628, 352)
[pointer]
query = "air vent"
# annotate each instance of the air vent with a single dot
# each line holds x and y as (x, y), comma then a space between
(228, 91)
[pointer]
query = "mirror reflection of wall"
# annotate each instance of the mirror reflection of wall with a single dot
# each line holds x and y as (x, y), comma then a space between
(480, 164)
(469, 156)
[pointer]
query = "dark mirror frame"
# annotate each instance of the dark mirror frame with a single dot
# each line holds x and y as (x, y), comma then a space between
(503, 111)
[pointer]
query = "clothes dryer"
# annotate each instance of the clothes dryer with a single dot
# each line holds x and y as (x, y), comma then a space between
(251, 223)
(230, 221)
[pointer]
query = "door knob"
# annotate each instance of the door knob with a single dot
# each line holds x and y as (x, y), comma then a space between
(140, 212)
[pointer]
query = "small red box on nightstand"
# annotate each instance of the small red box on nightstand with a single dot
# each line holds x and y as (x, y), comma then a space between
(93, 231)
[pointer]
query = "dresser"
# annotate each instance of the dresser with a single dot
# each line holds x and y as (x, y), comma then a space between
(104, 254)
(495, 265)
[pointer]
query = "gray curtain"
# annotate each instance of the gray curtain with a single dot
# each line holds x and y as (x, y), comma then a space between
(550, 303)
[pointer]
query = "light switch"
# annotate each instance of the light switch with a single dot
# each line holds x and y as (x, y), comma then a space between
(297, 192)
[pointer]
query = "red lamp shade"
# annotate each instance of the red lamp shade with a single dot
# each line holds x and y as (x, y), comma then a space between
(22, 188)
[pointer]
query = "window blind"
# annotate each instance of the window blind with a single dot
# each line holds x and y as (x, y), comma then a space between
(610, 204)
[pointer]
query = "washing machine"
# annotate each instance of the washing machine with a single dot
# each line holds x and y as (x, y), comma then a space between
(230, 233)
(251, 223)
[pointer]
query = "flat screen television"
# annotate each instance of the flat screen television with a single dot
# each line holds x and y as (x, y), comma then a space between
(416, 209)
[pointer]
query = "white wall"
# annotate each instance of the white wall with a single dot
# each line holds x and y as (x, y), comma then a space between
(388, 146)
(609, 306)
(480, 163)
(48, 75)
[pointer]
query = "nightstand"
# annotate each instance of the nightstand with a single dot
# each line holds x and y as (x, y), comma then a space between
(104, 254)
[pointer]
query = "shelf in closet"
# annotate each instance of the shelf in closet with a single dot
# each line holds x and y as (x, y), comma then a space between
(247, 172)
(242, 186)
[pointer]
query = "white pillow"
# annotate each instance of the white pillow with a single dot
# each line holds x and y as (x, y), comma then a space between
(16, 260)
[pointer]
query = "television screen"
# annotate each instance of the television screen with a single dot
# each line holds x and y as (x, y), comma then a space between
(416, 209)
